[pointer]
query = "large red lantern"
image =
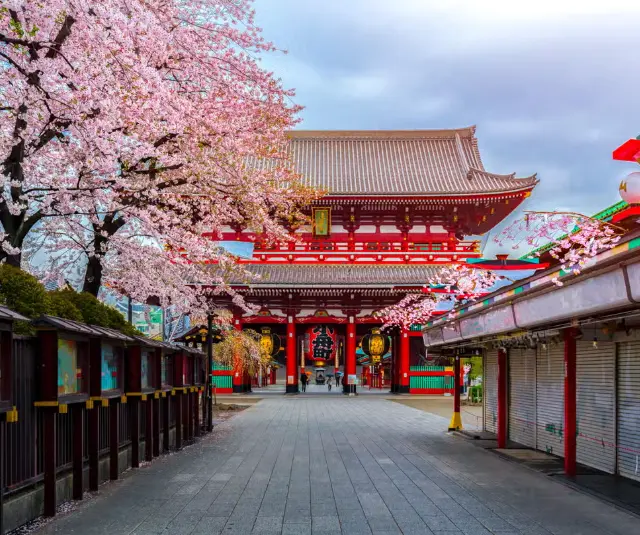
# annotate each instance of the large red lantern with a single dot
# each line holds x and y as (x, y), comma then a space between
(322, 343)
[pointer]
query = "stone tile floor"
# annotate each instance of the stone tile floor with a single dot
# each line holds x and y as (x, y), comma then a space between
(355, 466)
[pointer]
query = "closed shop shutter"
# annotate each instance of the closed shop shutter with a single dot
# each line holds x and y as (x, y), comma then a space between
(596, 405)
(629, 410)
(522, 396)
(490, 391)
(550, 399)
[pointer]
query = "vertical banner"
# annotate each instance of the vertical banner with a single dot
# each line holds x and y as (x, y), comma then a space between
(321, 219)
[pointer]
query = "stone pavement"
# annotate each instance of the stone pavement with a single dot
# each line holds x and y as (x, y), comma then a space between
(339, 465)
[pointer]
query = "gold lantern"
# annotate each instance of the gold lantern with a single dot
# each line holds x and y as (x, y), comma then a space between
(375, 345)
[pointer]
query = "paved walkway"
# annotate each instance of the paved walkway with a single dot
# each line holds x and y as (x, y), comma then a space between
(339, 465)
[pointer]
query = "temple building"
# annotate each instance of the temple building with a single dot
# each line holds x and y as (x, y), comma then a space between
(398, 205)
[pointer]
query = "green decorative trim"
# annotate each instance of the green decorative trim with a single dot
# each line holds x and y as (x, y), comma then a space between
(608, 213)
(604, 215)
(634, 243)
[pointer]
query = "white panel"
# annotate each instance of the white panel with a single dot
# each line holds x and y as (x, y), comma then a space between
(474, 326)
(499, 320)
(599, 293)
(522, 396)
(451, 334)
(550, 399)
(435, 336)
(629, 410)
(490, 390)
(633, 271)
(596, 405)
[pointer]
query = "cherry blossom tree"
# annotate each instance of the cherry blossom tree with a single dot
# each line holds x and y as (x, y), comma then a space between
(145, 120)
(411, 309)
(242, 351)
(464, 280)
(454, 280)
(571, 238)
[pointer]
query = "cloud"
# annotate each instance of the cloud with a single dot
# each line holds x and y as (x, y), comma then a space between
(551, 85)
(361, 86)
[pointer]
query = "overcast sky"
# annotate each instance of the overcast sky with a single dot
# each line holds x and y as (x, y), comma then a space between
(552, 85)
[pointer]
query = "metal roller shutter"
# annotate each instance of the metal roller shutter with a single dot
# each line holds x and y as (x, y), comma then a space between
(522, 396)
(596, 405)
(550, 399)
(629, 409)
(490, 390)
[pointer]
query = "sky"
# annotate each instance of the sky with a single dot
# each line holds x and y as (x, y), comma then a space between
(553, 86)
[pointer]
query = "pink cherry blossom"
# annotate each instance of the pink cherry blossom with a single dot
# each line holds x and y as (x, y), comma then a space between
(420, 308)
(573, 238)
(132, 133)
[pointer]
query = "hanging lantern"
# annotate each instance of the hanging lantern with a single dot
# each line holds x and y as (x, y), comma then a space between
(269, 342)
(375, 345)
(630, 188)
(322, 343)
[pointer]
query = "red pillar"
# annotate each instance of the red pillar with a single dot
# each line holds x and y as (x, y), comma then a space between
(238, 374)
(166, 407)
(77, 420)
(134, 421)
(392, 366)
(114, 439)
(350, 355)
(148, 430)
(177, 406)
(456, 419)
(403, 363)
(49, 428)
(93, 447)
(292, 361)
(156, 426)
(502, 398)
(569, 402)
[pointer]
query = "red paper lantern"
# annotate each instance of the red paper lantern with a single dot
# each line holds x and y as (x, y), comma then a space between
(322, 342)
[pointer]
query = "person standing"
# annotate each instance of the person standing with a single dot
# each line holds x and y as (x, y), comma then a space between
(303, 381)
(329, 383)
(337, 380)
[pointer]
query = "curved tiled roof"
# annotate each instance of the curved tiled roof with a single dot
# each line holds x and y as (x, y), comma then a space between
(338, 275)
(397, 162)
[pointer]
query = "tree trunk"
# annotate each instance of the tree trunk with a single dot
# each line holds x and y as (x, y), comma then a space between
(93, 275)
(12, 260)
(111, 224)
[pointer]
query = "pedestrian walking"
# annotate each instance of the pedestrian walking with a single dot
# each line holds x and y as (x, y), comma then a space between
(329, 383)
(337, 380)
(303, 381)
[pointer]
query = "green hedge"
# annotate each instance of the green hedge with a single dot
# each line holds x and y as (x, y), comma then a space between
(23, 293)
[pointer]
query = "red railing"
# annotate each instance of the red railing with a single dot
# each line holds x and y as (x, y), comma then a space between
(328, 246)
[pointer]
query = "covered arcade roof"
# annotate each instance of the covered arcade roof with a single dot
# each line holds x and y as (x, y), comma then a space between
(397, 162)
